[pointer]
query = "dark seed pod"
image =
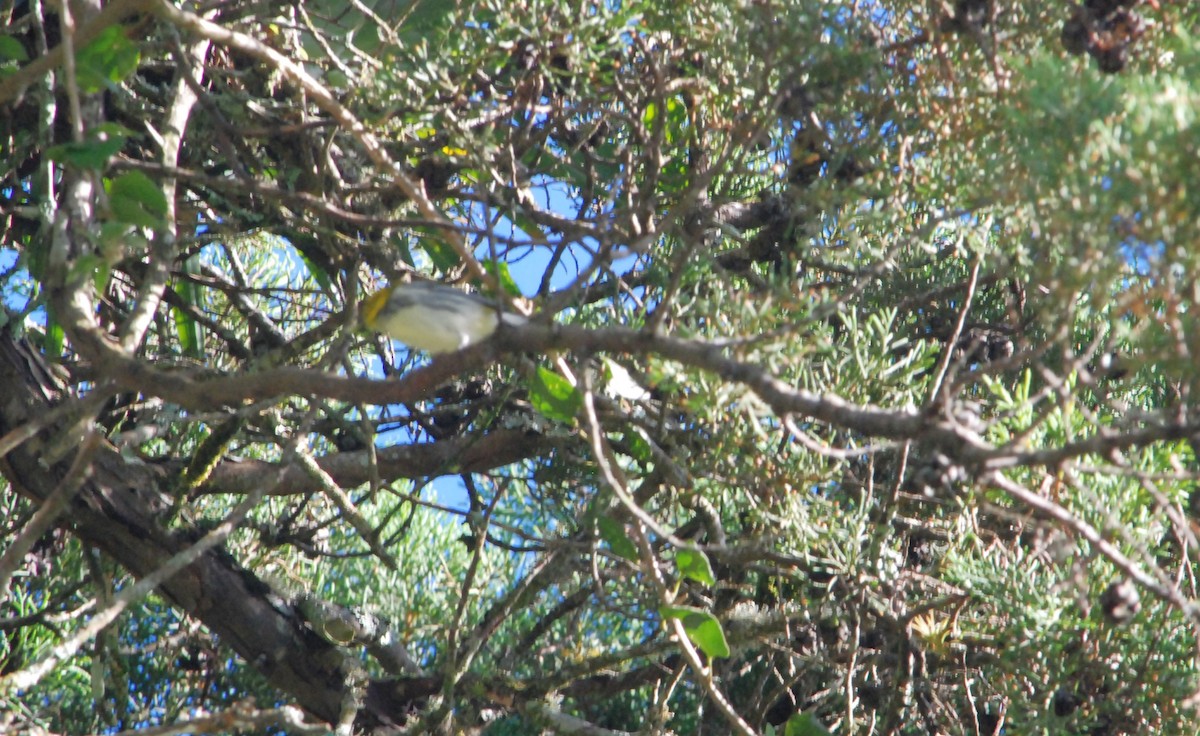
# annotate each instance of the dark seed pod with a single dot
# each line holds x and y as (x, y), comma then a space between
(1120, 602)
(1075, 35)
(1112, 60)
(1065, 702)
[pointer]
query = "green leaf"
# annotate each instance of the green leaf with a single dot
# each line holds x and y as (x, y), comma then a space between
(702, 628)
(638, 447)
(101, 274)
(499, 269)
(618, 541)
(12, 50)
(650, 114)
(804, 724)
(320, 275)
(191, 336)
(94, 151)
(443, 256)
(421, 16)
(554, 396)
(401, 246)
(55, 337)
(107, 60)
(694, 564)
(337, 79)
(136, 199)
(188, 331)
(87, 266)
(116, 240)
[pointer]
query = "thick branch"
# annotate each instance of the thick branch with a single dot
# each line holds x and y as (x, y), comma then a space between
(456, 455)
(117, 511)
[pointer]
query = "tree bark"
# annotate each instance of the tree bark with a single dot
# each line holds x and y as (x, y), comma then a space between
(117, 511)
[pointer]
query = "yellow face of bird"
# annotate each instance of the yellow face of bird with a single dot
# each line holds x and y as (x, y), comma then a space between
(372, 306)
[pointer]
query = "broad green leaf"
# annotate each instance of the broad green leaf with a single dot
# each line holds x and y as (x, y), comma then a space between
(638, 447)
(402, 247)
(694, 564)
(188, 331)
(650, 114)
(554, 396)
(12, 50)
(106, 60)
(443, 256)
(618, 541)
(676, 120)
(422, 15)
(88, 266)
(117, 239)
(136, 199)
(191, 339)
(804, 724)
(337, 79)
(55, 337)
(101, 274)
(320, 275)
(499, 269)
(100, 143)
(702, 628)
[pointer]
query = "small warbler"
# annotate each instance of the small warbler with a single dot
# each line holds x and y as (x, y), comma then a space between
(433, 317)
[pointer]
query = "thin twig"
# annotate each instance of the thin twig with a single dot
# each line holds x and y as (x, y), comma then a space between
(952, 341)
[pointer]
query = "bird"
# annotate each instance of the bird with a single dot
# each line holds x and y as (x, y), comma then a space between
(433, 317)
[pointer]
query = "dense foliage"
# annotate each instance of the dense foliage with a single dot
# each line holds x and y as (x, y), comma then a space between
(856, 393)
